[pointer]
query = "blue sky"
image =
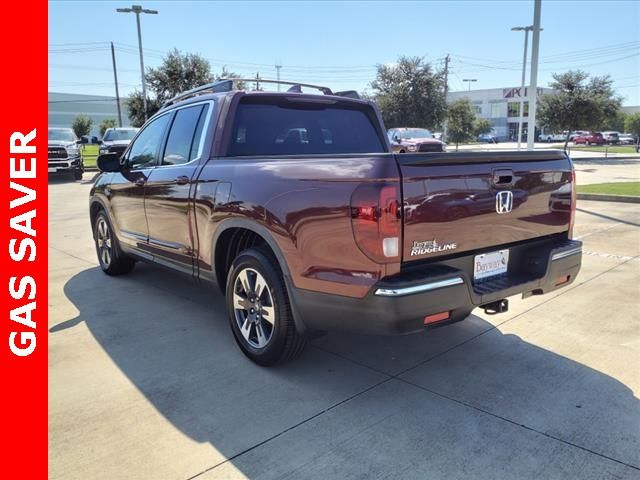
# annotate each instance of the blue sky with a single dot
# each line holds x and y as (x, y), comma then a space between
(339, 43)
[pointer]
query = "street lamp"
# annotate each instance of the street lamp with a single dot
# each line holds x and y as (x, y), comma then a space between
(526, 31)
(137, 9)
(469, 80)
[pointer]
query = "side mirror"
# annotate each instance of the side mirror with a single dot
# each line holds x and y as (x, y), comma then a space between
(396, 138)
(83, 140)
(94, 140)
(109, 162)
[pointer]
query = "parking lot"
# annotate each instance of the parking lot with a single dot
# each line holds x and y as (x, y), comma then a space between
(145, 380)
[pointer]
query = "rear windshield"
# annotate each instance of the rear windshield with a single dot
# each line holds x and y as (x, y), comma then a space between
(285, 128)
(114, 135)
(62, 135)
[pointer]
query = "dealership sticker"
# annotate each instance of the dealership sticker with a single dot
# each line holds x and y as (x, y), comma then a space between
(23, 256)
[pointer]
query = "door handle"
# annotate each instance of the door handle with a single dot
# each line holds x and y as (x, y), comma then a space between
(182, 180)
(140, 181)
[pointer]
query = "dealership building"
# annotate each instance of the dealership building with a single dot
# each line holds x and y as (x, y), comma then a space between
(64, 107)
(501, 106)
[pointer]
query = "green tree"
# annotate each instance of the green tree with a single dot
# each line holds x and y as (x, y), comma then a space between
(461, 121)
(177, 73)
(632, 125)
(481, 125)
(135, 105)
(81, 125)
(410, 93)
(616, 123)
(108, 123)
(579, 103)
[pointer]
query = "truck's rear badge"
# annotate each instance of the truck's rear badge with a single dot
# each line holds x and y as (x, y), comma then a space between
(431, 246)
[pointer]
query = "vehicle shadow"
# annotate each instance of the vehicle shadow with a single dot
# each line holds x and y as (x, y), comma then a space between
(170, 338)
(60, 178)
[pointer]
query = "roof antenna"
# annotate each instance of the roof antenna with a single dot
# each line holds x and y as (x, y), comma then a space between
(295, 89)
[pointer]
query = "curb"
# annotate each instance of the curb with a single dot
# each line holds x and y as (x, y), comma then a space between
(608, 198)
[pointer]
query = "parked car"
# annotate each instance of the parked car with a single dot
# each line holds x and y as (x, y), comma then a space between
(405, 140)
(626, 139)
(577, 133)
(64, 152)
(595, 138)
(612, 138)
(487, 138)
(116, 140)
(329, 230)
(553, 137)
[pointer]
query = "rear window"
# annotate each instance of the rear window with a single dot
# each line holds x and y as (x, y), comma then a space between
(286, 128)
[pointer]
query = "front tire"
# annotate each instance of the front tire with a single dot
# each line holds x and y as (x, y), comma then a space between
(258, 309)
(113, 260)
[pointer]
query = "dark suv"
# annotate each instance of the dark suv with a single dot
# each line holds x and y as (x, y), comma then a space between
(294, 205)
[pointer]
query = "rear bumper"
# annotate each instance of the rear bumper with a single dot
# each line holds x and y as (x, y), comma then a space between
(398, 305)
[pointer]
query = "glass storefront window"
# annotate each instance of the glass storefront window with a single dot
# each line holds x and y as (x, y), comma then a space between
(513, 109)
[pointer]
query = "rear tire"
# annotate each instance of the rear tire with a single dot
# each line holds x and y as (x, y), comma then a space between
(113, 260)
(258, 309)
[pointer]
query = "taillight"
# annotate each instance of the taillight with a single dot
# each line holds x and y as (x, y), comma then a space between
(572, 219)
(376, 222)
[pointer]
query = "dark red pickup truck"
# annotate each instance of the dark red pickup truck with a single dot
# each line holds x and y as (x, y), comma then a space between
(293, 204)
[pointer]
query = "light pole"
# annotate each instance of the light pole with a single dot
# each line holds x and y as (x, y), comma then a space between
(278, 67)
(469, 80)
(533, 86)
(526, 31)
(137, 9)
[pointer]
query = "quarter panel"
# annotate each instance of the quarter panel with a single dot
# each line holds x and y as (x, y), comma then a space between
(304, 204)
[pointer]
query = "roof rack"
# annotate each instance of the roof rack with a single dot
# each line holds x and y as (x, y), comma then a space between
(227, 84)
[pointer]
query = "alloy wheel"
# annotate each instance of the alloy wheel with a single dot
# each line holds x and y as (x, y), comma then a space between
(103, 240)
(253, 306)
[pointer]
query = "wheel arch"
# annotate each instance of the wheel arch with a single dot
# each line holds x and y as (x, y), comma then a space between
(235, 226)
(231, 230)
(95, 205)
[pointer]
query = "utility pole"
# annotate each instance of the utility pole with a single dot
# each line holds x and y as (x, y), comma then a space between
(115, 79)
(446, 91)
(258, 81)
(137, 9)
(533, 88)
(278, 67)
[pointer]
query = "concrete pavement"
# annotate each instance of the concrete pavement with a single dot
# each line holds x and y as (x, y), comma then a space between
(146, 381)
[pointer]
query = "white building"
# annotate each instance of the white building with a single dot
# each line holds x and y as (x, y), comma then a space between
(501, 106)
(64, 107)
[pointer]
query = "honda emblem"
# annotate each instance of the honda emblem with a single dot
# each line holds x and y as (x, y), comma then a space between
(504, 202)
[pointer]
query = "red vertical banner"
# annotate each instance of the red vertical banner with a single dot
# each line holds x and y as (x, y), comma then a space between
(23, 250)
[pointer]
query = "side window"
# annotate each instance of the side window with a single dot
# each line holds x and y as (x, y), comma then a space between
(145, 148)
(183, 143)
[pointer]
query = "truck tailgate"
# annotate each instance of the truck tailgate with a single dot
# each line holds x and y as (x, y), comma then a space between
(461, 202)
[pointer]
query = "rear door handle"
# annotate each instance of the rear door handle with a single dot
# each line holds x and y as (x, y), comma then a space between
(182, 180)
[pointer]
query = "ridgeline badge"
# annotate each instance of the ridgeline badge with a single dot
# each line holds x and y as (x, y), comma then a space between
(431, 246)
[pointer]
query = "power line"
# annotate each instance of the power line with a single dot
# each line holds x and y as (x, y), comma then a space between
(88, 68)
